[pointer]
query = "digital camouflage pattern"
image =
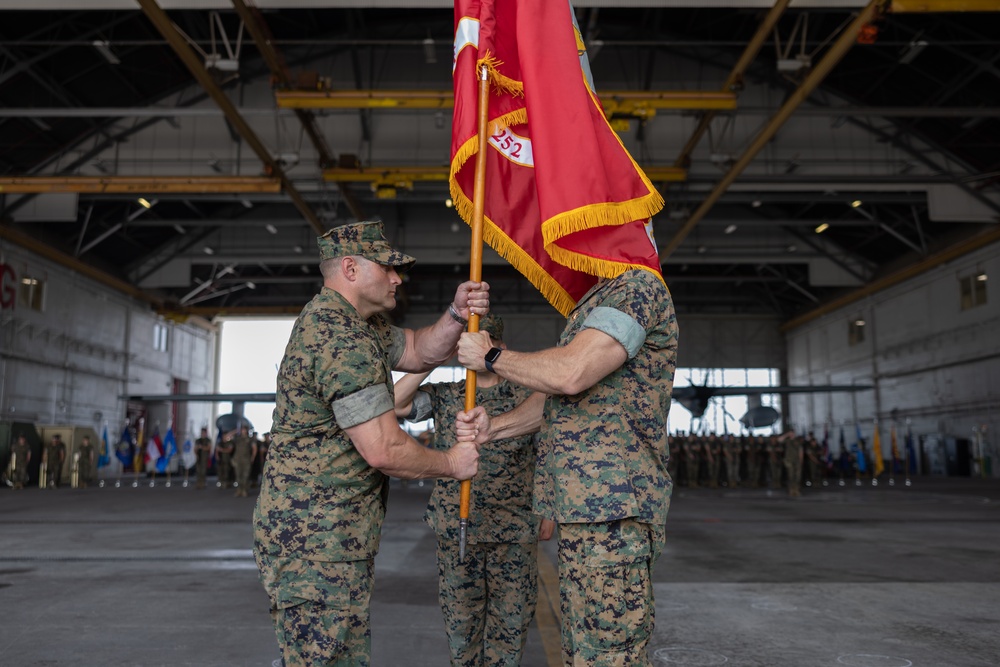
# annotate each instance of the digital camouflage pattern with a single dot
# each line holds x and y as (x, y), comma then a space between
(203, 451)
(55, 453)
(603, 452)
(500, 502)
(731, 449)
(366, 239)
(487, 601)
(774, 457)
(242, 459)
(320, 503)
(327, 620)
(21, 452)
(793, 463)
(606, 592)
(85, 467)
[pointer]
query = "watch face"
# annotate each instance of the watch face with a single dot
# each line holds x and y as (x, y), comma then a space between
(492, 355)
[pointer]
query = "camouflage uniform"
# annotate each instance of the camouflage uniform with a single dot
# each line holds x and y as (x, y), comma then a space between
(319, 514)
(243, 451)
(488, 601)
(793, 464)
(55, 454)
(731, 449)
(21, 456)
(224, 463)
(755, 455)
(602, 474)
(675, 454)
(691, 461)
(774, 458)
(203, 450)
(713, 449)
(85, 466)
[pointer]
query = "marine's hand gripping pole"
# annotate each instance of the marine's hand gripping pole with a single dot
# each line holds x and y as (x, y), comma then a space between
(475, 275)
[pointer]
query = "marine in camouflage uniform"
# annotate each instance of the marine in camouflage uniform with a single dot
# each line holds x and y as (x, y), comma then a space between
(756, 451)
(731, 451)
(602, 463)
(20, 458)
(85, 466)
(224, 462)
(319, 514)
(244, 451)
(792, 457)
(53, 457)
(775, 453)
(713, 448)
(203, 452)
(691, 461)
(488, 600)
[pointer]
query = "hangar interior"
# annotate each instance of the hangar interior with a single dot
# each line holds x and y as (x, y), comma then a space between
(832, 189)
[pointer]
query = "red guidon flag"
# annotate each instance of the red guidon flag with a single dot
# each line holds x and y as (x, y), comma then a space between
(565, 202)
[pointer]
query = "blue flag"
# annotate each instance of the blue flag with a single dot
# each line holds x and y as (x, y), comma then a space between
(125, 450)
(169, 449)
(859, 451)
(911, 452)
(105, 456)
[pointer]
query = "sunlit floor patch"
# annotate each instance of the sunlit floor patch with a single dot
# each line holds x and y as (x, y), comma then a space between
(677, 655)
(870, 660)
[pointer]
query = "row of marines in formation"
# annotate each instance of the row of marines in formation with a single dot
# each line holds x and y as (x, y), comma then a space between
(239, 458)
(758, 461)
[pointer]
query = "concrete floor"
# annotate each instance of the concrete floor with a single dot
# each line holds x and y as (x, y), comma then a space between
(857, 576)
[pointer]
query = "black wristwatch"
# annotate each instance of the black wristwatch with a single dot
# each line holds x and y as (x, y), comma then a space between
(490, 357)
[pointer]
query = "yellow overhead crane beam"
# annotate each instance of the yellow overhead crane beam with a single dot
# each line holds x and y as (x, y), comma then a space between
(620, 102)
(903, 6)
(138, 185)
(391, 178)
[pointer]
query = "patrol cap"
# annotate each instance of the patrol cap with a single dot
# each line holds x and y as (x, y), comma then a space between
(493, 325)
(366, 239)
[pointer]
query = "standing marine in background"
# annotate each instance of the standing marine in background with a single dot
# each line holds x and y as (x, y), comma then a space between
(244, 452)
(20, 457)
(52, 459)
(85, 465)
(224, 460)
(202, 452)
(488, 600)
(731, 447)
(792, 454)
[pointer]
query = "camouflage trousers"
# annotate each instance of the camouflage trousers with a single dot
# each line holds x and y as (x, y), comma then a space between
(320, 610)
(487, 601)
(732, 471)
(201, 469)
(606, 591)
(794, 470)
(242, 467)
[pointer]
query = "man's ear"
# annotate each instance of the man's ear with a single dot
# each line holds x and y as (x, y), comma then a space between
(349, 268)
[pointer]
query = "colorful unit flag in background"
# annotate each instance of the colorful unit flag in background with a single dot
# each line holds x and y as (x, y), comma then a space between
(104, 458)
(125, 450)
(169, 449)
(878, 464)
(565, 201)
(188, 457)
(154, 447)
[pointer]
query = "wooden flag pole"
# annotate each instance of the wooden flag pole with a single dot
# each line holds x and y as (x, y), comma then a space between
(475, 275)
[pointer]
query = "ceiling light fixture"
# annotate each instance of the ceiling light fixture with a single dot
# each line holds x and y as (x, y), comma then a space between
(730, 229)
(822, 227)
(859, 322)
(755, 203)
(981, 277)
(145, 203)
(208, 250)
(856, 203)
(180, 230)
(271, 228)
(246, 203)
(104, 48)
(912, 51)
(430, 55)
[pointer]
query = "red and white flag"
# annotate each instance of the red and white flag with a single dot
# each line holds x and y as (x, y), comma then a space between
(565, 202)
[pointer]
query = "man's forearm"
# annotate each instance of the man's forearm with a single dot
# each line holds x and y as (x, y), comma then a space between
(524, 419)
(430, 346)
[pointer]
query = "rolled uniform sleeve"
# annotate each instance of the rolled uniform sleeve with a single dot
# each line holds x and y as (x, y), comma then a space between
(362, 406)
(619, 326)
